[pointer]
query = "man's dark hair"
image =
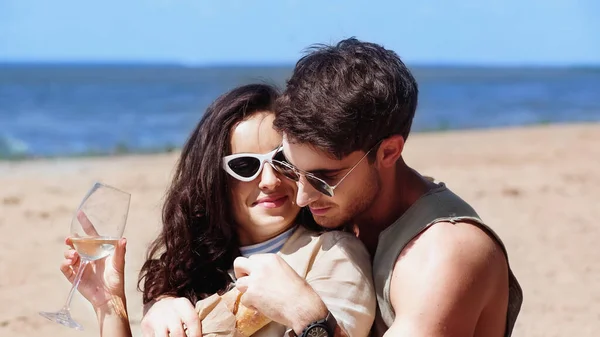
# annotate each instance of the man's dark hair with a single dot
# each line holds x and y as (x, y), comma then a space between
(347, 97)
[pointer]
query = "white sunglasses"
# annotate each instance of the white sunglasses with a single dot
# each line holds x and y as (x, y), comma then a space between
(247, 166)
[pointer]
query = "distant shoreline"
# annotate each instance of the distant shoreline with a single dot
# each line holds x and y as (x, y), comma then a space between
(122, 150)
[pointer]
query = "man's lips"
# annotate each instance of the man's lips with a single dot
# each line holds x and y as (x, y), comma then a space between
(319, 210)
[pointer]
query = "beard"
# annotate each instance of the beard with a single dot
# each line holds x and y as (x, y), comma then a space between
(360, 199)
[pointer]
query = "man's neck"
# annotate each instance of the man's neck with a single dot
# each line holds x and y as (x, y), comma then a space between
(400, 189)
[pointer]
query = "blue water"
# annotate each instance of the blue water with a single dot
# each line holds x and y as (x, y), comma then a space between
(49, 110)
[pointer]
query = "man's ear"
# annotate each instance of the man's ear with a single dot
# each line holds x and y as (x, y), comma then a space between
(390, 150)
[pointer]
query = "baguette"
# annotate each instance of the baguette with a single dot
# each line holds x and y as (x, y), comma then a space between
(247, 320)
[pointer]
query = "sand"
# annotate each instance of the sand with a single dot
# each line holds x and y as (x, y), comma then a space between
(539, 187)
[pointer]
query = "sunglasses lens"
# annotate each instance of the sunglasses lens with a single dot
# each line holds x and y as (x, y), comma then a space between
(285, 170)
(279, 156)
(244, 166)
(320, 186)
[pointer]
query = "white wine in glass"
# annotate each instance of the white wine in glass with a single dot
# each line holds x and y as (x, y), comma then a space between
(96, 227)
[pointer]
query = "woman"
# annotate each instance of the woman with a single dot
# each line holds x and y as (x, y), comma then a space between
(226, 200)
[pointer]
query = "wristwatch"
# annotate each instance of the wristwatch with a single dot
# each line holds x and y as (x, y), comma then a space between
(321, 328)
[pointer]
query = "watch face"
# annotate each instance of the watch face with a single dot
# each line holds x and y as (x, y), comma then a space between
(317, 331)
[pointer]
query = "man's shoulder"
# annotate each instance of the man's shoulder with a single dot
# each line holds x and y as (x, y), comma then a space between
(450, 248)
(446, 277)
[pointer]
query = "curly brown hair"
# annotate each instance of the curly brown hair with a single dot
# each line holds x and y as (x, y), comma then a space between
(198, 242)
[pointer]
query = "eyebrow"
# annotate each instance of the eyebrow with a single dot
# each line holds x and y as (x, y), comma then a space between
(321, 171)
(326, 171)
(275, 148)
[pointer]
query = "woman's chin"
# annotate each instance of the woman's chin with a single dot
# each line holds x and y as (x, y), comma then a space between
(275, 218)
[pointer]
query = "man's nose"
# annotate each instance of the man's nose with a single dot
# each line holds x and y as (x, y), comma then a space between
(306, 193)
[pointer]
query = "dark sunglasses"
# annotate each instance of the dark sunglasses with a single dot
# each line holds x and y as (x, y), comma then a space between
(291, 172)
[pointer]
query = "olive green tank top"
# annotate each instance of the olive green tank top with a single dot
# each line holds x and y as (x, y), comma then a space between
(438, 205)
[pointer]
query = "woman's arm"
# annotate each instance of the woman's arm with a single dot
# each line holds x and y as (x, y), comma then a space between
(167, 315)
(103, 285)
(113, 319)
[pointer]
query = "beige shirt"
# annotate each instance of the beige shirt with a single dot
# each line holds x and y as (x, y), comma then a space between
(338, 268)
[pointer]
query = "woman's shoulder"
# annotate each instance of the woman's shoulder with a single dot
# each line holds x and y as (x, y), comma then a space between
(333, 240)
(338, 236)
(326, 253)
(341, 253)
(326, 235)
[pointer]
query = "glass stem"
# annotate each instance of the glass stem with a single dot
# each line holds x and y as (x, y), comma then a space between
(82, 265)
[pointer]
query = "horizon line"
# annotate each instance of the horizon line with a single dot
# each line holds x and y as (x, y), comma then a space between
(174, 64)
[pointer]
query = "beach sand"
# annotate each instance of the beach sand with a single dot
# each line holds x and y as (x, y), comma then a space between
(538, 187)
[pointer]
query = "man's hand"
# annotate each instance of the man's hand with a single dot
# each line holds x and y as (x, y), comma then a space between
(167, 316)
(273, 288)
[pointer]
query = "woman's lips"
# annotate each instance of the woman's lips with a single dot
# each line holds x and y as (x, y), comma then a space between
(272, 202)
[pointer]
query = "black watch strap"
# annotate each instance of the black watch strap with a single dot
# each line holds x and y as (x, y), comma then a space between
(331, 323)
(328, 323)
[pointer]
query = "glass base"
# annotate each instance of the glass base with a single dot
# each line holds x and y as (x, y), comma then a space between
(62, 317)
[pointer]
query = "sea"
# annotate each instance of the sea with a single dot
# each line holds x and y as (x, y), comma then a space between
(50, 110)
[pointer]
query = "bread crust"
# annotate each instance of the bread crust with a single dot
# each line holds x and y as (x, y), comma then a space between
(247, 320)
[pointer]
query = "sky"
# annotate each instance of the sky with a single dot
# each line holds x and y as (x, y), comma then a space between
(210, 32)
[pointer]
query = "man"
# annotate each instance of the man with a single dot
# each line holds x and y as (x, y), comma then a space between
(439, 270)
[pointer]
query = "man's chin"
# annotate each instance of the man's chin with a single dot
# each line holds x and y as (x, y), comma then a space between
(331, 224)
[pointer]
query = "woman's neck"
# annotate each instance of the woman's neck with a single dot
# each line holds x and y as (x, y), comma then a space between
(271, 245)
(247, 238)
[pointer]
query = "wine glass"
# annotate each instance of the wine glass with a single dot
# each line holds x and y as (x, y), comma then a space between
(96, 228)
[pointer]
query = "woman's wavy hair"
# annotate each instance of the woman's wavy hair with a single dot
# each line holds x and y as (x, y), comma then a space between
(198, 242)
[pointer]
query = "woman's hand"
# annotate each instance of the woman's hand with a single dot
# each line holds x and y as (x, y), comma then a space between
(167, 317)
(102, 279)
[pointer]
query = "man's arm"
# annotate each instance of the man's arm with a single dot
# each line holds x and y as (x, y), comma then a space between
(272, 287)
(339, 281)
(444, 280)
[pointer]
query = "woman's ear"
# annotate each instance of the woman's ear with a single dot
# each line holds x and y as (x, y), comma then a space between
(390, 150)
